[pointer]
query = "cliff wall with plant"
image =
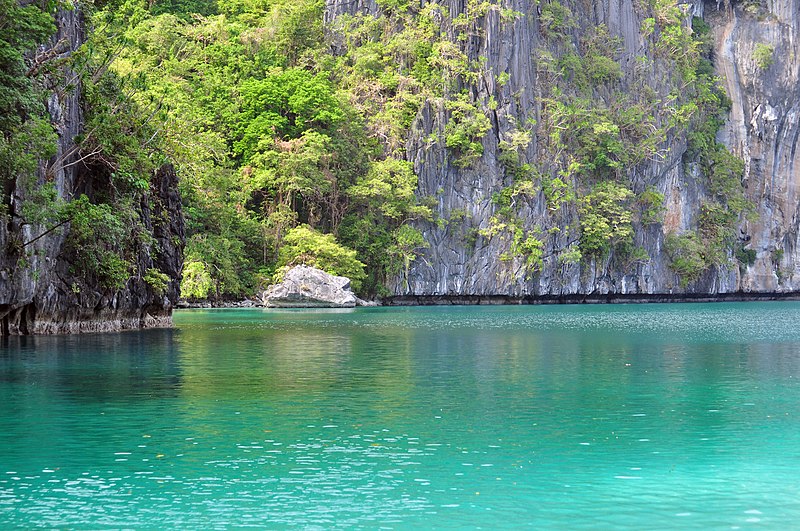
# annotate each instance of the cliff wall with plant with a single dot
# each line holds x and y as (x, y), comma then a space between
(92, 229)
(569, 147)
(446, 148)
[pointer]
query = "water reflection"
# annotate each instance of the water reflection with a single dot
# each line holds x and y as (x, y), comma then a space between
(462, 416)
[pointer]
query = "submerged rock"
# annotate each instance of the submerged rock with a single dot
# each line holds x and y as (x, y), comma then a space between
(309, 287)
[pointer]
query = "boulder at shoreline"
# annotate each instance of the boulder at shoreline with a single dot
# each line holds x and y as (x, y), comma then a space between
(309, 287)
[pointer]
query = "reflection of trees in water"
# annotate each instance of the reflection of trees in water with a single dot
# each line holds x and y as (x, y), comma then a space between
(288, 382)
(583, 382)
(295, 361)
(255, 363)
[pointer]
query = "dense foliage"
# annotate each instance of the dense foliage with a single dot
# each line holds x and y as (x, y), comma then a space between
(278, 165)
(113, 157)
(284, 128)
(290, 137)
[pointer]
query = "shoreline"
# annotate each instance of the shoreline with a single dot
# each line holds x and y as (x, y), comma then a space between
(507, 300)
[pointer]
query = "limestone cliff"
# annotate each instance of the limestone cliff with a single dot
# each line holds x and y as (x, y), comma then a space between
(764, 129)
(523, 48)
(43, 288)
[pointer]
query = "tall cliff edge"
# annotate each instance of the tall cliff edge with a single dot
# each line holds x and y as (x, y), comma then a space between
(600, 168)
(46, 284)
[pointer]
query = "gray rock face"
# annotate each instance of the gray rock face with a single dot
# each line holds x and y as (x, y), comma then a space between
(763, 128)
(308, 287)
(334, 8)
(41, 291)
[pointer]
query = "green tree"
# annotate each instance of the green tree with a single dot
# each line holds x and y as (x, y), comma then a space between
(764, 55)
(97, 241)
(197, 282)
(22, 28)
(285, 104)
(407, 241)
(25, 132)
(221, 259)
(389, 188)
(305, 246)
(385, 203)
(687, 255)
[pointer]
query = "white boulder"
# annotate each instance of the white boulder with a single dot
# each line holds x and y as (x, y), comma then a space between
(309, 287)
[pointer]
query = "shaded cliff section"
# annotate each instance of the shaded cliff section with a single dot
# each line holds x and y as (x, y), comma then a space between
(465, 257)
(44, 288)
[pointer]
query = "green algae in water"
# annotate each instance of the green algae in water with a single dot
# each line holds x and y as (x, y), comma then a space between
(650, 416)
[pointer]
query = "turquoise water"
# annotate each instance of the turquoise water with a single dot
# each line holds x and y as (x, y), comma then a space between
(636, 416)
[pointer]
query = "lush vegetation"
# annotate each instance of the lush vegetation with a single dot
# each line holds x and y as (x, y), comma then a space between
(601, 125)
(764, 55)
(290, 137)
(278, 163)
(713, 242)
(115, 151)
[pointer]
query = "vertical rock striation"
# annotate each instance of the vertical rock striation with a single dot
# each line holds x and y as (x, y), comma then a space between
(463, 258)
(764, 128)
(41, 287)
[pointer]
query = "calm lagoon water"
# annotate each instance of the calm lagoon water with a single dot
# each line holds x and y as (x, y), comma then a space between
(634, 416)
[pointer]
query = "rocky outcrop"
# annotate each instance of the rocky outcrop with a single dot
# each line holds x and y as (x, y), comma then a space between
(48, 295)
(42, 288)
(464, 259)
(308, 287)
(334, 8)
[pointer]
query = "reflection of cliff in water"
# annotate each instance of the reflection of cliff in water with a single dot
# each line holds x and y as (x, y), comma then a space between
(99, 368)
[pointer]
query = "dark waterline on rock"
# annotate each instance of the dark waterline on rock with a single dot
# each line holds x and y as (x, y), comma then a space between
(589, 298)
(500, 300)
